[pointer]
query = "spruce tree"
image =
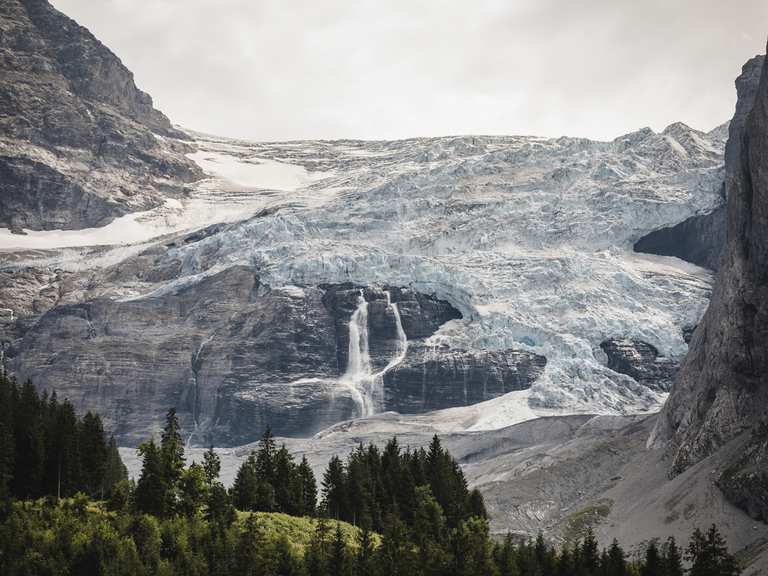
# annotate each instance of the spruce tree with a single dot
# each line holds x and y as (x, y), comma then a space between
(193, 490)
(589, 560)
(709, 556)
(617, 564)
(7, 441)
(476, 504)
(114, 470)
(652, 562)
(672, 558)
(286, 486)
(285, 562)
(334, 490)
(338, 562)
(151, 495)
(29, 436)
(317, 553)
(394, 551)
(244, 490)
(308, 487)
(93, 454)
(172, 448)
(211, 465)
(249, 558)
(364, 563)
(265, 457)
(507, 558)
(219, 511)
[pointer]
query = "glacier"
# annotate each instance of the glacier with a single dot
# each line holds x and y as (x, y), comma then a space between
(530, 238)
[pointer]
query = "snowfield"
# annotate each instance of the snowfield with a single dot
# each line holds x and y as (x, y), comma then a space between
(530, 238)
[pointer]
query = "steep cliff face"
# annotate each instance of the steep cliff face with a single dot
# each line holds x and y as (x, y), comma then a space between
(722, 388)
(80, 143)
(232, 354)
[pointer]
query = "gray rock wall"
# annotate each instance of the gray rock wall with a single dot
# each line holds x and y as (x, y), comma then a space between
(722, 388)
(76, 136)
(231, 354)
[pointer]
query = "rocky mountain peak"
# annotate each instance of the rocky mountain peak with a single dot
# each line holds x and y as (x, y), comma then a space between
(80, 144)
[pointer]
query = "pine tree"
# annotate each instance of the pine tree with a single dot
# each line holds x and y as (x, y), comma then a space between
(363, 565)
(338, 563)
(151, 495)
(249, 558)
(193, 490)
(334, 490)
(93, 454)
(317, 553)
(29, 436)
(652, 562)
(286, 563)
(476, 504)
(672, 559)
(211, 465)
(286, 486)
(172, 450)
(245, 487)
(709, 556)
(265, 457)
(114, 470)
(617, 564)
(219, 511)
(308, 488)
(7, 441)
(589, 560)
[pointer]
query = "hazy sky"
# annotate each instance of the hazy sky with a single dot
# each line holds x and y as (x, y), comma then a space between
(290, 69)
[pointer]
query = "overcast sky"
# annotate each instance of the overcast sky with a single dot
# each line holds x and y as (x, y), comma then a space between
(290, 69)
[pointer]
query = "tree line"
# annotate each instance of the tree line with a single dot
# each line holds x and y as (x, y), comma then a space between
(414, 512)
(47, 450)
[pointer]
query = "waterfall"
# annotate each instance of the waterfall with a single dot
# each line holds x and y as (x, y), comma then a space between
(402, 339)
(367, 386)
(359, 375)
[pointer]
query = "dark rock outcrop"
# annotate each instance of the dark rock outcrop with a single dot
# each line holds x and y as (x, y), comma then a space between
(79, 144)
(433, 378)
(698, 240)
(231, 354)
(641, 361)
(722, 389)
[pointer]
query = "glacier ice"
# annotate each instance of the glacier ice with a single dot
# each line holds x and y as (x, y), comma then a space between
(530, 238)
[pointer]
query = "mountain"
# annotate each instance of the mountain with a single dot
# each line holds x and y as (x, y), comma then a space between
(472, 266)
(721, 395)
(300, 284)
(79, 143)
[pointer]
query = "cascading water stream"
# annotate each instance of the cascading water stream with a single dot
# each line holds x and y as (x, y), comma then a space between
(359, 375)
(368, 386)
